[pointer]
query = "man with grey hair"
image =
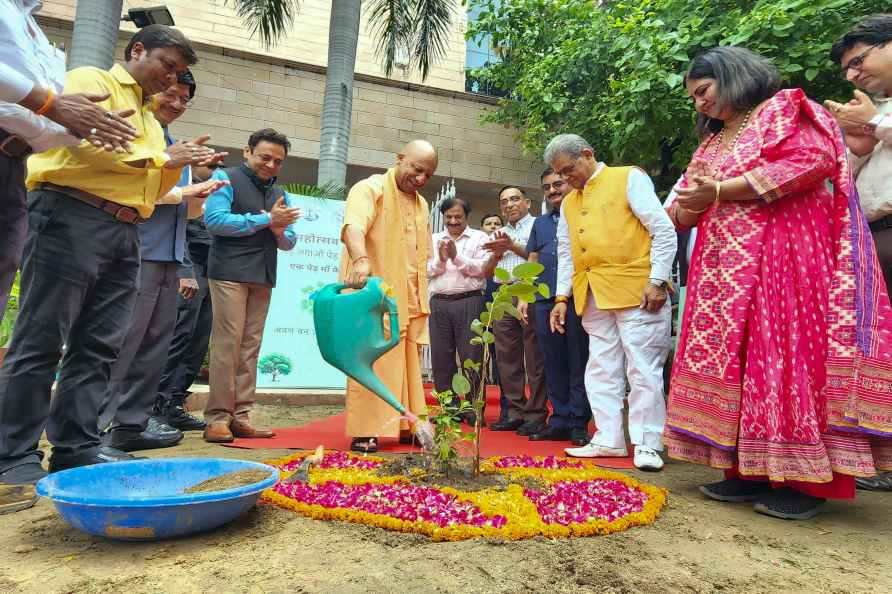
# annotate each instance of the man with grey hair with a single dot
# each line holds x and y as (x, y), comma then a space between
(616, 246)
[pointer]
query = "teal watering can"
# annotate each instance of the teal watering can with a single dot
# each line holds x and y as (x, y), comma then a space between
(350, 335)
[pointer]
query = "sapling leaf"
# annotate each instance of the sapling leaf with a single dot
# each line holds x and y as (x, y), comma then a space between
(460, 384)
(477, 327)
(528, 270)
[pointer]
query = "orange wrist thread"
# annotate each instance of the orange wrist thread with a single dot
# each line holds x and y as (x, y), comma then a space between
(50, 97)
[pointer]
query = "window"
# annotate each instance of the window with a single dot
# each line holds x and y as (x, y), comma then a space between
(479, 54)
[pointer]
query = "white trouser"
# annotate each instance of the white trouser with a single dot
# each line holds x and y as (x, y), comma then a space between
(641, 338)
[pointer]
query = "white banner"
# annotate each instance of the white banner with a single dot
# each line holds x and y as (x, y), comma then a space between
(289, 357)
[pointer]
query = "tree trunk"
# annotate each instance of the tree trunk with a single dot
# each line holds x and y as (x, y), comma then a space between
(96, 25)
(337, 106)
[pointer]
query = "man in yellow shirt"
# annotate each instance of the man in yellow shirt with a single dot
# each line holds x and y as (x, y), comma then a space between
(386, 233)
(616, 246)
(81, 262)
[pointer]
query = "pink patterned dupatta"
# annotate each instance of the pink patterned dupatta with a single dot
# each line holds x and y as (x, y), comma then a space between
(784, 366)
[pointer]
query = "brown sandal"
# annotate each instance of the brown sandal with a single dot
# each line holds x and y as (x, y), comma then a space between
(364, 445)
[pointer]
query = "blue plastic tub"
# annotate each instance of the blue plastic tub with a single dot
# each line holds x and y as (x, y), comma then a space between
(144, 499)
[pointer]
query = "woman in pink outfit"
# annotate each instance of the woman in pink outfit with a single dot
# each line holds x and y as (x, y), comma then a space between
(783, 376)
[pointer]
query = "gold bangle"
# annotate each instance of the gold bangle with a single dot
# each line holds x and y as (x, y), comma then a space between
(360, 258)
(692, 211)
(50, 96)
(561, 299)
(718, 191)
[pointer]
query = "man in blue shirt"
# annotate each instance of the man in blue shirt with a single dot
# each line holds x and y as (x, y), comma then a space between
(133, 384)
(565, 355)
(249, 219)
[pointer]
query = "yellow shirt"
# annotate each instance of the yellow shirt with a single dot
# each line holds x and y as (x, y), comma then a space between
(408, 225)
(610, 245)
(109, 174)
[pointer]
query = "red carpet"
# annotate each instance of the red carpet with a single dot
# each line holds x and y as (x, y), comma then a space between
(329, 432)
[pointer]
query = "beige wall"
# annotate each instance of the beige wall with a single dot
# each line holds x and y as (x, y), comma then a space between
(240, 94)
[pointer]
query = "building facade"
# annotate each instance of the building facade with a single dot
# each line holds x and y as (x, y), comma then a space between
(243, 86)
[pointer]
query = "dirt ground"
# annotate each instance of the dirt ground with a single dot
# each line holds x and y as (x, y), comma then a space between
(695, 546)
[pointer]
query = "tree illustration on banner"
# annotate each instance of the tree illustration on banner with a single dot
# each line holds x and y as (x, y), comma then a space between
(275, 364)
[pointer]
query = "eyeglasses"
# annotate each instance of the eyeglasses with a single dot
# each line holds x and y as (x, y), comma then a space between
(184, 100)
(556, 185)
(565, 171)
(857, 62)
(512, 200)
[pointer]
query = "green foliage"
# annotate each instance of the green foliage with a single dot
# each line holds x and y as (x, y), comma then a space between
(11, 313)
(613, 72)
(329, 191)
(445, 417)
(271, 18)
(275, 364)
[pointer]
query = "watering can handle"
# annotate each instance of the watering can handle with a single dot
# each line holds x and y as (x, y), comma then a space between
(393, 312)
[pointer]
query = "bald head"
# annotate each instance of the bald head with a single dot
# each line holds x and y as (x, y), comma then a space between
(415, 165)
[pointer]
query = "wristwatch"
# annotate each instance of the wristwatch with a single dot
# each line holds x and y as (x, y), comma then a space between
(871, 126)
(657, 283)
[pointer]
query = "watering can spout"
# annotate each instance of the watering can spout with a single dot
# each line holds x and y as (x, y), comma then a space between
(350, 331)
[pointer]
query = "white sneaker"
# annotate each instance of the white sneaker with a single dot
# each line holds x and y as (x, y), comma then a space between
(647, 459)
(591, 450)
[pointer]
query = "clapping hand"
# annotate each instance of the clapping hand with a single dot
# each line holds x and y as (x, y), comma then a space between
(701, 189)
(500, 243)
(282, 215)
(202, 190)
(193, 153)
(442, 250)
(79, 113)
(854, 115)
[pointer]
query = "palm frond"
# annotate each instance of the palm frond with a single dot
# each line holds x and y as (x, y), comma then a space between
(391, 23)
(432, 25)
(271, 18)
(330, 191)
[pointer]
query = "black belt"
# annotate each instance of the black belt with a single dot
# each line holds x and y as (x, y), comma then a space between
(14, 146)
(883, 223)
(457, 296)
(125, 214)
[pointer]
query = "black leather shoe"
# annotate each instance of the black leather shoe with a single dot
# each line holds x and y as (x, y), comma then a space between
(23, 474)
(163, 436)
(176, 416)
(509, 425)
(579, 436)
(530, 427)
(880, 482)
(551, 434)
(104, 455)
